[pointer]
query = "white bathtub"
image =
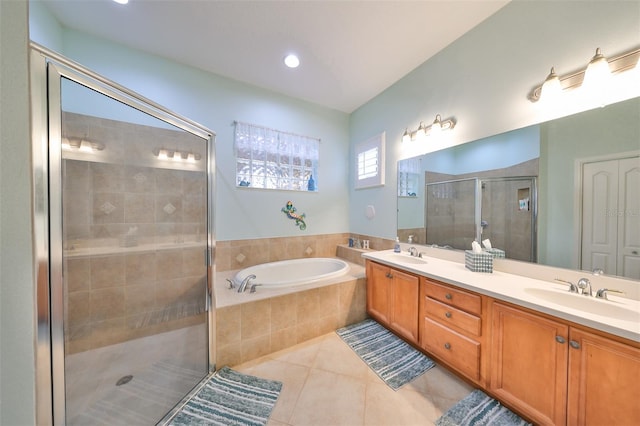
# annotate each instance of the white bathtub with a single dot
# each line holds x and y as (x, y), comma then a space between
(292, 273)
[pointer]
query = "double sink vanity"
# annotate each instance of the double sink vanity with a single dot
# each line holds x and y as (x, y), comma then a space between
(553, 356)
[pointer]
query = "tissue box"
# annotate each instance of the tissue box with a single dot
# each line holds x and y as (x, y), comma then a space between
(495, 252)
(478, 262)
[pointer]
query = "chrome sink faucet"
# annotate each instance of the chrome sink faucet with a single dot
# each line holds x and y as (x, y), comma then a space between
(585, 286)
(245, 282)
(413, 251)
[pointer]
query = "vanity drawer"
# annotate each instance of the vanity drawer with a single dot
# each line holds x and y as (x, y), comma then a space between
(455, 349)
(451, 316)
(461, 299)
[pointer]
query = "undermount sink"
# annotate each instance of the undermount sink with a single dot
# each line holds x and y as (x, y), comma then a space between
(587, 304)
(405, 258)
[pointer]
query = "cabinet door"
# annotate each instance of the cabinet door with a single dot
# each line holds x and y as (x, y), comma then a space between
(529, 364)
(404, 304)
(378, 284)
(604, 381)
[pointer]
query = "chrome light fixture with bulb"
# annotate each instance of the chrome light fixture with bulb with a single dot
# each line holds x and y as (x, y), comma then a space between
(432, 130)
(598, 71)
(176, 155)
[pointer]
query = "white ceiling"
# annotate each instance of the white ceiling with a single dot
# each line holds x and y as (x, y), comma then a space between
(350, 50)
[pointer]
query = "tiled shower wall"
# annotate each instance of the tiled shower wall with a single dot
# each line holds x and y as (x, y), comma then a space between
(116, 288)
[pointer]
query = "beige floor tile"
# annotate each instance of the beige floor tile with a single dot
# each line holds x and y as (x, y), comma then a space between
(330, 399)
(335, 356)
(383, 406)
(304, 353)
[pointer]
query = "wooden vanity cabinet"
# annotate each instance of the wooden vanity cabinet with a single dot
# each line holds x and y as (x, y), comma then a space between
(393, 299)
(556, 373)
(529, 363)
(604, 380)
(451, 327)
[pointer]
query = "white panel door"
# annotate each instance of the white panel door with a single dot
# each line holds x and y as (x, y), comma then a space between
(611, 217)
(629, 218)
(599, 216)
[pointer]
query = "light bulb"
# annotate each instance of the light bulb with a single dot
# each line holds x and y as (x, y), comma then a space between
(597, 73)
(421, 132)
(406, 136)
(436, 127)
(291, 61)
(551, 88)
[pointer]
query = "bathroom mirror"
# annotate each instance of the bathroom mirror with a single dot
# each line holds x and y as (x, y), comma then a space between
(565, 156)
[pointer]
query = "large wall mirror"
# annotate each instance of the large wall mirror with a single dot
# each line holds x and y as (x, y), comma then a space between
(562, 193)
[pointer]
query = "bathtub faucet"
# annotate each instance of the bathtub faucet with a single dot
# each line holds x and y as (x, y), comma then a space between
(245, 282)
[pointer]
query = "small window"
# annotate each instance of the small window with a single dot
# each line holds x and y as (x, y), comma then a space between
(370, 162)
(272, 159)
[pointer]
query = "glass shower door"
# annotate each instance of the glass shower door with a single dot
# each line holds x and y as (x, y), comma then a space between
(131, 338)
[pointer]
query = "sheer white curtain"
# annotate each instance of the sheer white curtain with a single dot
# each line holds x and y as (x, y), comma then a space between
(272, 159)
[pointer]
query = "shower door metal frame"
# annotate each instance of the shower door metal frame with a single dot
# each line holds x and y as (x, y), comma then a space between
(47, 71)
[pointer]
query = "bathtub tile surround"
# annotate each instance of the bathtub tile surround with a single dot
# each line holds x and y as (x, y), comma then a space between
(239, 254)
(248, 329)
(257, 328)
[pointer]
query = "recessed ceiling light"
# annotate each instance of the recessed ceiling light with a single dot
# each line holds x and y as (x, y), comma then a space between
(291, 61)
(121, 1)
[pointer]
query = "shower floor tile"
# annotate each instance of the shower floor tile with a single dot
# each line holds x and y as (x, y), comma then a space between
(165, 367)
(326, 383)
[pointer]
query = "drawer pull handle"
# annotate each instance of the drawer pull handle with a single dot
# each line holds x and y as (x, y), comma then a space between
(574, 344)
(447, 346)
(389, 275)
(560, 339)
(448, 296)
(447, 314)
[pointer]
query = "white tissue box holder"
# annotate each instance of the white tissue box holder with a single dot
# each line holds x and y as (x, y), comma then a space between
(495, 252)
(478, 262)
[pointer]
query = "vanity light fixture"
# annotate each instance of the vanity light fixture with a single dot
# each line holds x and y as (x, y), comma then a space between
(432, 130)
(82, 145)
(176, 155)
(598, 69)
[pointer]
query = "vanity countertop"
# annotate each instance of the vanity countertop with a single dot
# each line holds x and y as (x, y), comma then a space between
(525, 292)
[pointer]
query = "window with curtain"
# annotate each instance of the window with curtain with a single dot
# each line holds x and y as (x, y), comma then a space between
(272, 159)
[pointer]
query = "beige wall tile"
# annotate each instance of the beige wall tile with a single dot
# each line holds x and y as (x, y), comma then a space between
(228, 322)
(283, 312)
(256, 347)
(256, 319)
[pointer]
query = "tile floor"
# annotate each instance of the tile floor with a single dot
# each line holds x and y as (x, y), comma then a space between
(326, 383)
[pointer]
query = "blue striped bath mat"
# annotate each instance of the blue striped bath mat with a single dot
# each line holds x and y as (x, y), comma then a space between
(391, 358)
(479, 409)
(230, 398)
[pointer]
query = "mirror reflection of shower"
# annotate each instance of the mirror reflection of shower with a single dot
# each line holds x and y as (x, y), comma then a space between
(463, 210)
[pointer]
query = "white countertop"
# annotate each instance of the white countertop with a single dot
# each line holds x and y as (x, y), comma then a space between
(517, 289)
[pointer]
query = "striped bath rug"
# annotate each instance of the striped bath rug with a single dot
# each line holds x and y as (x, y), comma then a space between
(230, 398)
(479, 409)
(392, 359)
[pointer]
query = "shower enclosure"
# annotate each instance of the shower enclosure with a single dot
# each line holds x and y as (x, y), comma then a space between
(463, 210)
(127, 248)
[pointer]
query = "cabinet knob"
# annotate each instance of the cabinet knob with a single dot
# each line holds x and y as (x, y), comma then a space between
(560, 339)
(389, 275)
(448, 296)
(574, 344)
(447, 346)
(447, 314)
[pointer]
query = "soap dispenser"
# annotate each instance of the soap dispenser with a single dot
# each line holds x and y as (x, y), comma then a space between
(396, 247)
